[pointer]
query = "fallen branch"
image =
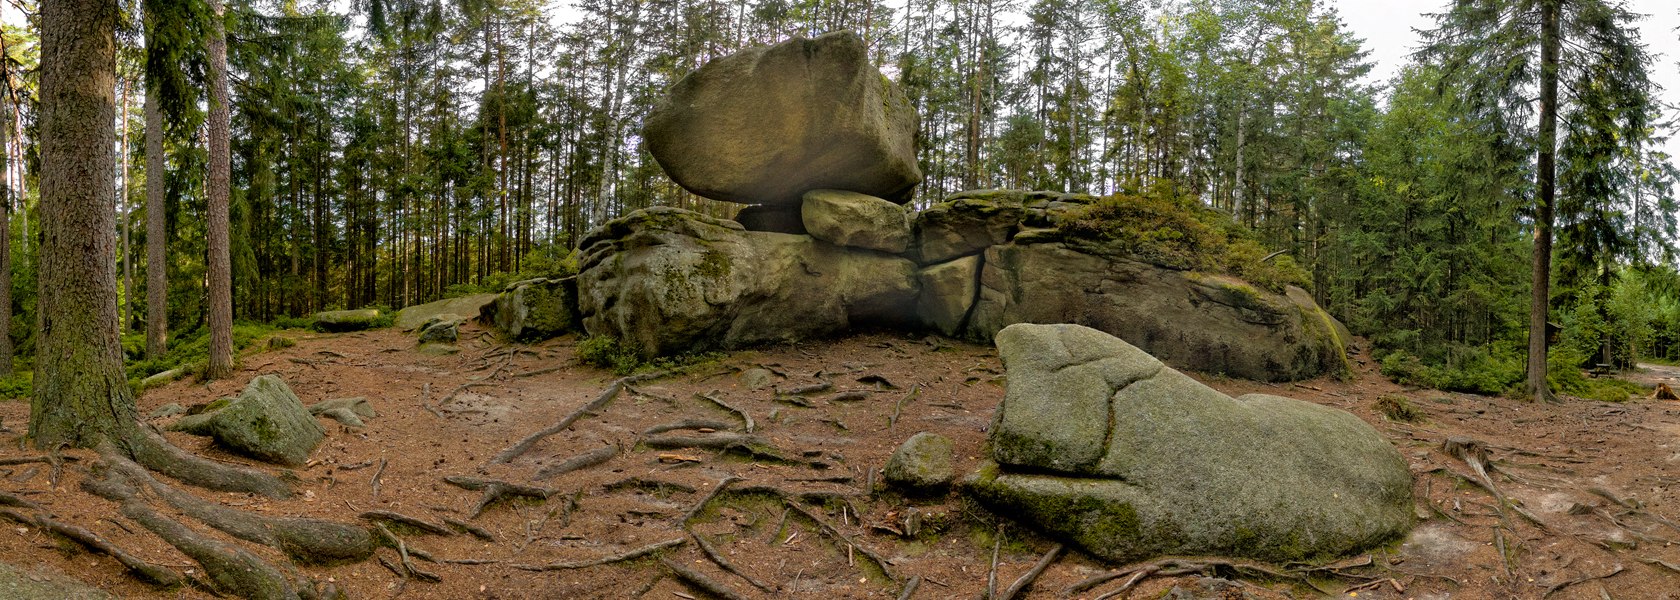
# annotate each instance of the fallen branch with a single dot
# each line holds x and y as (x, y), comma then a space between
(1026, 579)
(374, 482)
(746, 419)
(581, 461)
(698, 580)
(612, 391)
(620, 557)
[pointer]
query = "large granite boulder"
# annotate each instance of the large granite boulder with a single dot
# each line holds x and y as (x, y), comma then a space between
(463, 308)
(1204, 322)
(948, 294)
(536, 309)
(766, 125)
(668, 281)
(266, 421)
(1101, 444)
(856, 221)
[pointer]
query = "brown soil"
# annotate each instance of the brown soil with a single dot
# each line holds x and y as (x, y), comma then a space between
(1600, 477)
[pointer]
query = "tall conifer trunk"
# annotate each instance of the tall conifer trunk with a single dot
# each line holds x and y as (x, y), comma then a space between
(221, 272)
(81, 397)
(1546, 181)
(157, 271)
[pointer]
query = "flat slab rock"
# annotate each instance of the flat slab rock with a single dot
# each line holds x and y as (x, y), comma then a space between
(1100, 443)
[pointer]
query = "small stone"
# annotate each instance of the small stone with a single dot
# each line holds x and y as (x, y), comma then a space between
(167, 410)
(922, 464)
(758, 379)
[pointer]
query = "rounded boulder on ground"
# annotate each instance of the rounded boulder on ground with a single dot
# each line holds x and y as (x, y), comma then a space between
(766, 125)
(921, 464)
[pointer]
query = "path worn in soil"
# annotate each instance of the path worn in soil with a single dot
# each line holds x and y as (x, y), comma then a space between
(1592, 485)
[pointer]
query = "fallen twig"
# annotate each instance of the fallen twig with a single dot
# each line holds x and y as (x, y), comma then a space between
(376, 475)
(612, 391)
(620, 557)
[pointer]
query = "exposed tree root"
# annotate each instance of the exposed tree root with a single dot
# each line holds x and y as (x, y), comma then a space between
(152, 451)
(620, 557)
(722, 563)
(698, 580)
(1580, 580)
(650, 485)
(898, 408)
(231, 569)
(746, 419)
(1026, 579)
(687, 424)
(496, 491)
(469, 528)
(1177, 566)
(701, 505)
(10, 500)
(581, 461)
(306, 540)
(155, 574)
(831, 531)
(402, 519)
(612, 391)
(910, 588)
(409, 568)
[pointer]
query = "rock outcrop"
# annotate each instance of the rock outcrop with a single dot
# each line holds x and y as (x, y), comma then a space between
(536, 309)
(668, 281)
(766, 125)
(464, 308)
(1101, 444)
(856, 221)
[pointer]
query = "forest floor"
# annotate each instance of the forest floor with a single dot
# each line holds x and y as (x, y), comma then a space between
(1592, 487)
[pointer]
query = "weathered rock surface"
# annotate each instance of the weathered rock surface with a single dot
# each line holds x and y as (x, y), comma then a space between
(535, 310)
(668, 281)
(1099, 443)
(921, 464)
(766, 125)
(347, 320)
(441, 331)
(948, 293)
(21, 584)
(856, 220)
(266, 421)
(463, 308)
(1208, 323)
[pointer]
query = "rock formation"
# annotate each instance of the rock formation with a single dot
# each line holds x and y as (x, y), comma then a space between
(766, 125)
(1099, 443)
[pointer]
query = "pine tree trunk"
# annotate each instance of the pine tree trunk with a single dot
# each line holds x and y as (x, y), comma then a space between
(1546, 176)
(127, 212)
(5, 237)
(221, 273)
(81, 397)
(157, 271)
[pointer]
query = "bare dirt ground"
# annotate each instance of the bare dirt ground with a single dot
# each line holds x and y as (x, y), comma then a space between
(1593, 506)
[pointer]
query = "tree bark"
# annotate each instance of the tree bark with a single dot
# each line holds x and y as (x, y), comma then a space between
(81, 397)
(127, 212)
(5, 233)
(157, 271)
(221, 272)
(1546, 180)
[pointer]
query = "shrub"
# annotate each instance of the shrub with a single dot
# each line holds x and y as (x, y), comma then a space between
(1397, 408)
(607, 352)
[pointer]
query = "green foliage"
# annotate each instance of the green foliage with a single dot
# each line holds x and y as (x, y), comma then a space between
(1165, 228)
(1466, 369)
(607, 352)
(191, 350)
(1565, 376)
(18, 386)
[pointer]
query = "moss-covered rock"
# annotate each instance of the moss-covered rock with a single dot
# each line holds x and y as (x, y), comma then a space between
(347, 320)
(1099, 443)
(533, 310)
(443, 331)
(922, 464)
(20, 584)
(448, 309)
(267, 422)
